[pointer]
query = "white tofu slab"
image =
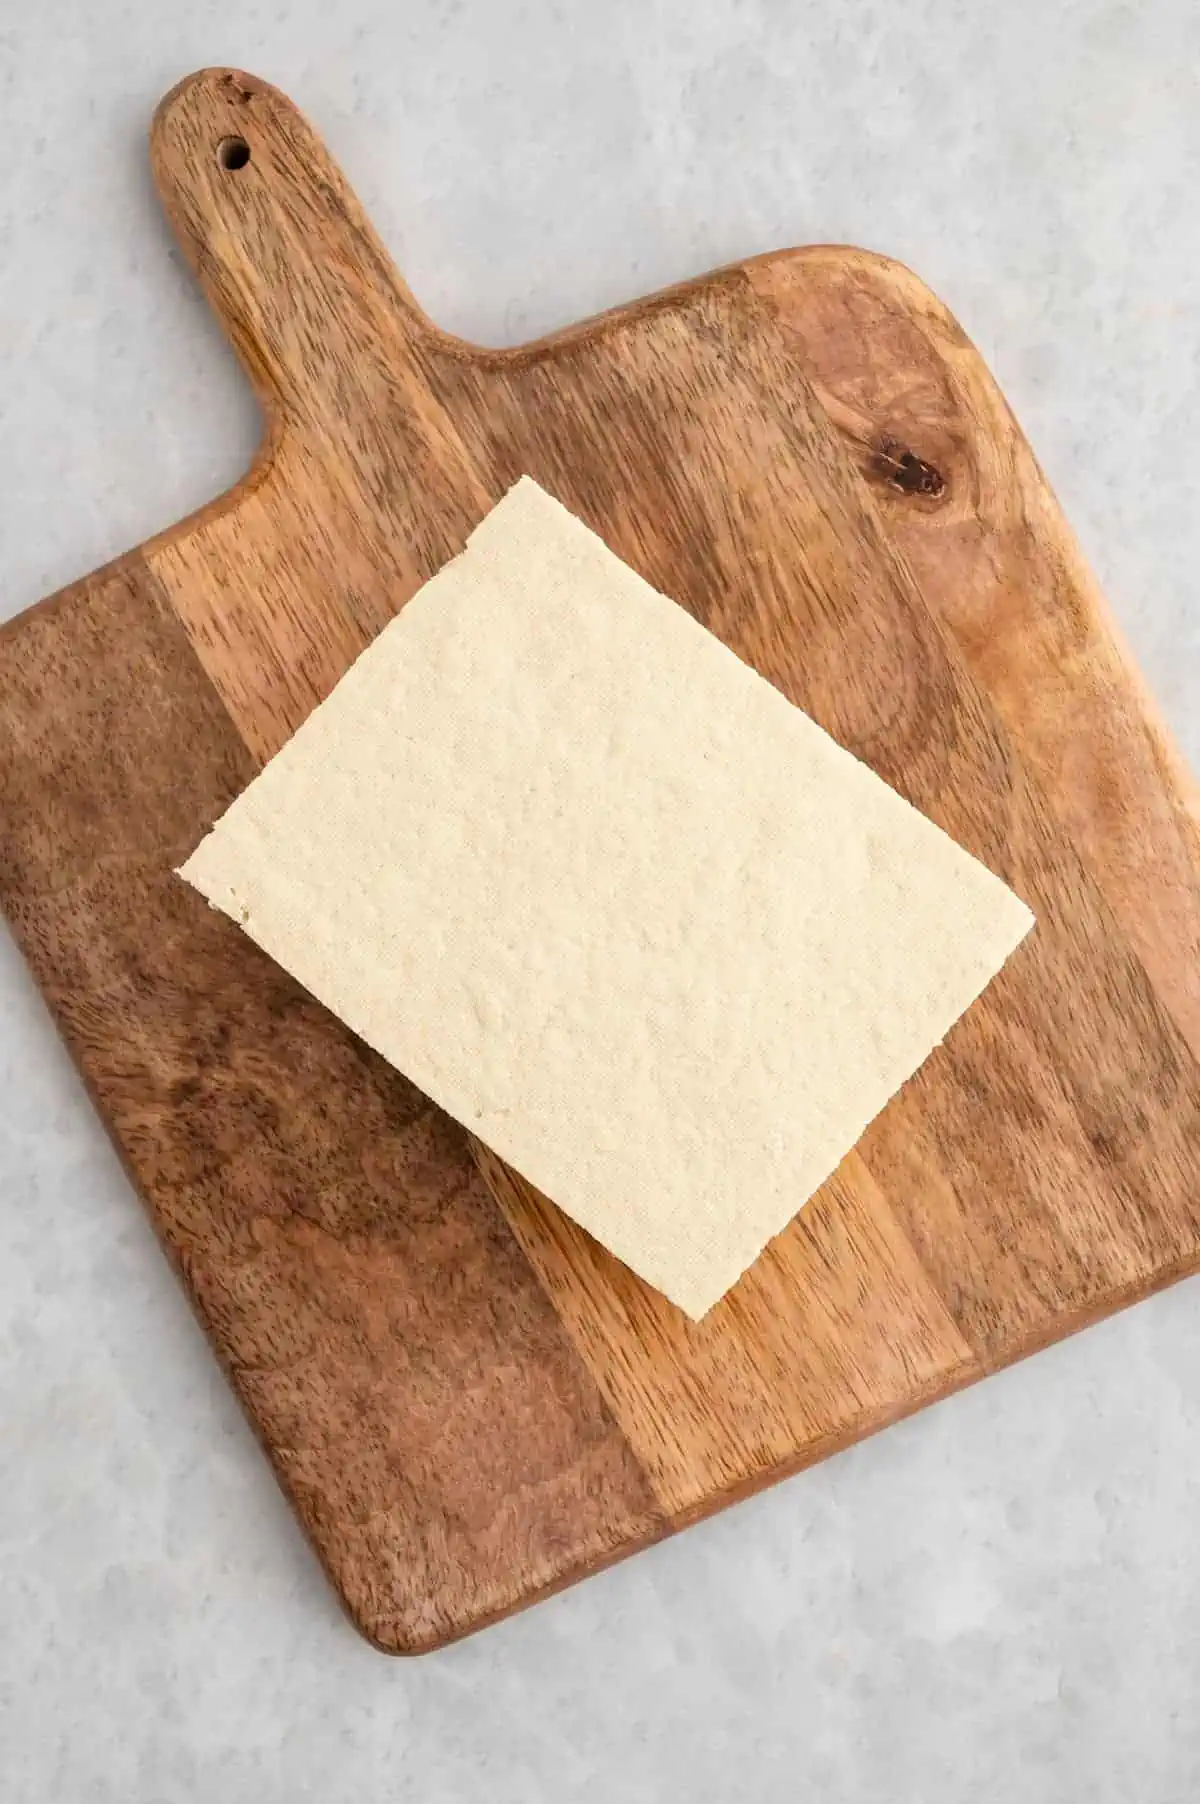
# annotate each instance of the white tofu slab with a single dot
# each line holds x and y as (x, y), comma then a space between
(609, 899)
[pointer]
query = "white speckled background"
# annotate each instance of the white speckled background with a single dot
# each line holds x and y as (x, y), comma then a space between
(997, 1600)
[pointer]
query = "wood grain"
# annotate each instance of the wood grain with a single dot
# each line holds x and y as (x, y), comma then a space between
(468, 1401)
(407, 1375)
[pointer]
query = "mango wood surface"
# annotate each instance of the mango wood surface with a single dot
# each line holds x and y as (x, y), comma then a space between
(467, 1401)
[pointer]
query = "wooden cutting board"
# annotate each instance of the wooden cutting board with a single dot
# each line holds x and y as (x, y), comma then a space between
(467, 1402)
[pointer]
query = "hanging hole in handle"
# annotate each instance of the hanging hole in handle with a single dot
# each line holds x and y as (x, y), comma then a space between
(233, 153)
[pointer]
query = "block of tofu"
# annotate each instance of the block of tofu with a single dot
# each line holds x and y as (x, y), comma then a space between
(609, 899)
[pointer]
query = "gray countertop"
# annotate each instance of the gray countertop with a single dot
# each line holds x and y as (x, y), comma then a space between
(998, 1599)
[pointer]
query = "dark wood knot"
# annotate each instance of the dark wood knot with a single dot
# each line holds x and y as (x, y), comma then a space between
(903, 470)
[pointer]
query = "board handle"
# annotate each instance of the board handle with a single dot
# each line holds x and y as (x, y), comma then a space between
(281, 247)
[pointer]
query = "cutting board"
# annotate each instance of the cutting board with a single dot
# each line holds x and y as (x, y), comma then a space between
(468, 1403)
